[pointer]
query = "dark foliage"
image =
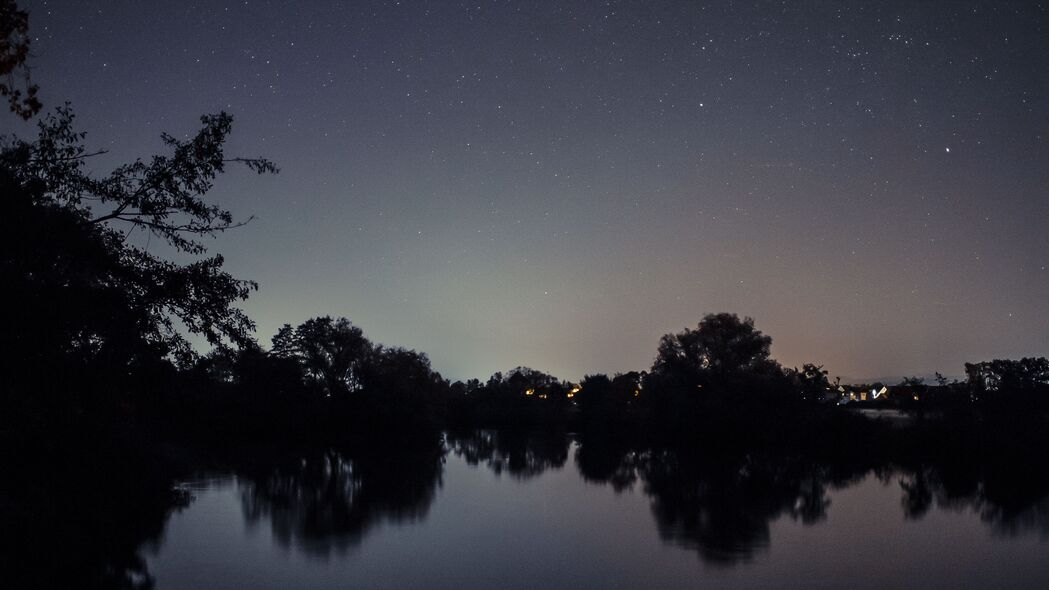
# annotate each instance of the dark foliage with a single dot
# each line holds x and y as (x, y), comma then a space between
(16, 85)
(1008, 383)
(76, 507)
(521, 398)
(722, 349)
(84, 296)
(329, 352)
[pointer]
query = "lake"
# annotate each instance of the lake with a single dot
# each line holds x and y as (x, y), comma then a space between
(546, 511)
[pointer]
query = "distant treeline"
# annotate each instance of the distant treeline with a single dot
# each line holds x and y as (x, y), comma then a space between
(96, 325)
(712, 382)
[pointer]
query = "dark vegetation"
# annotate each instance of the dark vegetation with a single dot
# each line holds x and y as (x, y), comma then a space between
(15, 84)
(105, 404)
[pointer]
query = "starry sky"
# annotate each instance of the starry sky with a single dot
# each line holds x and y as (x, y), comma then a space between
(557, 184)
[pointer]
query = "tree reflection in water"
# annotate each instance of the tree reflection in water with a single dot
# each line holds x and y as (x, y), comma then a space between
(722, 504)
(719, 505)
(1011, 501)
(522, 454)
(326, 502)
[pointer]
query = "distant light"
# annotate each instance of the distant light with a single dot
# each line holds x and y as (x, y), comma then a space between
(948, 150)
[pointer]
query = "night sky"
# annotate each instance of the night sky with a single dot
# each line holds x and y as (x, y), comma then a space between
(557, 184)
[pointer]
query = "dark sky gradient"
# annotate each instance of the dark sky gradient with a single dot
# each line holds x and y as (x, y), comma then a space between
(557, 184)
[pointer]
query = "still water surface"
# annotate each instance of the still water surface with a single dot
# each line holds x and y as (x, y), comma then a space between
(477, 518)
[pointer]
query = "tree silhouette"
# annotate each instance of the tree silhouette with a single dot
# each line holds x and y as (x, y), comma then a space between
(401, 391)
(604, 402)
(1014, 382)
(722, 346)
(811, 381)
(14, 50)
(331, 352)
(85, 260)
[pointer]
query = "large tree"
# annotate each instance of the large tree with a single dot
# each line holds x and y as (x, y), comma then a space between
(331, 352)
(83, 289)
(721, 347)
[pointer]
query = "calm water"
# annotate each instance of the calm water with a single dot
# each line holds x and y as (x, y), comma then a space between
(548, 514)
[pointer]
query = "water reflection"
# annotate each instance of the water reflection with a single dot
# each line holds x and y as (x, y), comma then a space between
(722, 505)
(522, 454)
(1011, 502)
(723, 509)
(719, 505)
(326, 501)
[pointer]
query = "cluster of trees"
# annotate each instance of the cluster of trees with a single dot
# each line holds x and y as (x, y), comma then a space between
(326, 368)
(108, 317)
(724, 360)
(716, 381)
(323, 376)
(89, 303)
(1025, 381)
(105, 315)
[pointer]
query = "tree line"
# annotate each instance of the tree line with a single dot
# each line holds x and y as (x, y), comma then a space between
(97, 318)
